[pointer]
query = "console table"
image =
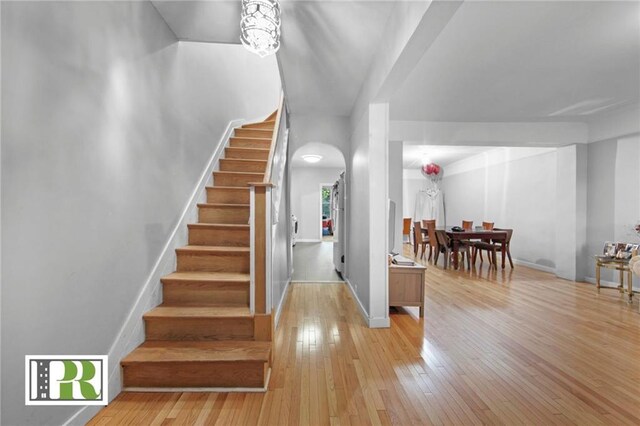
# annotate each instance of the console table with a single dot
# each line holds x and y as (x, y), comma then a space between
(406, 286)
(621, 265)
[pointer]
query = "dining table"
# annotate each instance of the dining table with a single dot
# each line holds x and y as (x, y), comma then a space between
(459, 237)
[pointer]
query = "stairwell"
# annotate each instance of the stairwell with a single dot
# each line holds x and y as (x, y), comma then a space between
(204, 334)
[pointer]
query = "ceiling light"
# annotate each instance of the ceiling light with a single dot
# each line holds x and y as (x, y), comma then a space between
(312, 158)
(260, 26)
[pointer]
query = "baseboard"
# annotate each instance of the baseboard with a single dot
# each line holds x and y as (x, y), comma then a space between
(363, 311)
(279, 307)
(131, 334)
(316, 282)
(307, 240)
(534, 266)
(609, 284)
(380, 322)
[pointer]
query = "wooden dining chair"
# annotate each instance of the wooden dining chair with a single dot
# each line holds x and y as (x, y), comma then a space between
(493, 247)
(425, 231)
(446, 247)
(406, 230)
(467, 225)
(419, 239)
(487, 226)
(433, 240)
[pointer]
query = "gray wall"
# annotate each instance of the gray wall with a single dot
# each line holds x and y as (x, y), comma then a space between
(519, 194)
(108, 123)
(395, 192)
(613, 197)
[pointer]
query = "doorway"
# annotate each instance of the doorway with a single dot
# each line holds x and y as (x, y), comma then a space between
(327, 225)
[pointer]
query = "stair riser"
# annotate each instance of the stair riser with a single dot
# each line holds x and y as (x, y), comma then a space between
(246, 154)
(252, 133)
(228, 196)
(225, 215)
(246, 374)
(263, 126)
(219, 237)
(179, 328)
(206, 294)
(229, 165)
(222, 179)
(250, 143)
(218, 262)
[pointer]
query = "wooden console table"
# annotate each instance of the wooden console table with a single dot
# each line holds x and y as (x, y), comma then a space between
(621, 265)
(406, 286)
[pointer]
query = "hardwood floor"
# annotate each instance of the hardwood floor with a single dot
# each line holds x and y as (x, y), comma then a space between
(495, 347)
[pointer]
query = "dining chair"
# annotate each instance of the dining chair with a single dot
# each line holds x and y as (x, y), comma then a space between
(493, 247)
(487, 226)
(467, 225)
(425, 232)
(406, 230)
(419, 240)
(446, 247)
(433, 240)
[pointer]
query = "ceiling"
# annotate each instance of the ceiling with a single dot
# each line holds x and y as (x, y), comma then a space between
(527, 61)
(210, 21)
(412, 154)
(327, 48)
(331, 156)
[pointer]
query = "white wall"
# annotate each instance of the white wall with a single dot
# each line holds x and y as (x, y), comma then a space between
(108, 124)
(512, 187)
(305, 198)
(396, 192)
(613, 197)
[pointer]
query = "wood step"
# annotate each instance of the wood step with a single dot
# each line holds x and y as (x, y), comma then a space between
(247, 153)
(266, 125)
(198, 323)
(250, 143)
(213, 259)
(224, 213)
(206, 289)
(197, 364)
(272, 116)
(240, 179)
(217, 234)
(238, 165)
(227, 195)
(239, 132)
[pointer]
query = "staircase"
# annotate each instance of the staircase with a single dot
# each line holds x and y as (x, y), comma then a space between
(205, 334)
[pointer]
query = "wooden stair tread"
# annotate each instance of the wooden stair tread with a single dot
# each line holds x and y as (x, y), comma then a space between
(245, 160)
(199, 351)
(248, 149)
(251, 138)
(222, 205)
(163, 311)
(213, 249)
(225, 226)
(230, 188)
(196, 276)
(260, 122)
(239, 173)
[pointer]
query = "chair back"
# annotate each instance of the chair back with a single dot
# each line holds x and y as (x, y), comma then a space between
(426, 222)
(406, 226)
(487, 226)
(467, 225)
(417, 232)
(431, 231)
(441, 236)
(509, 234)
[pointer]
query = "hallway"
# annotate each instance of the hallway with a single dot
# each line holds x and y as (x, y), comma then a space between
(488, 351)
(313, 262)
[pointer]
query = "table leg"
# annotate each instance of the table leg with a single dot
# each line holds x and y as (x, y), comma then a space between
(630, 286)
(621, 286)
(504, 251)
(597, 277)
(455, 254)
(421, 311)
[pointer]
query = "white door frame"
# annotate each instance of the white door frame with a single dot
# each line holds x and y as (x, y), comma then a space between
(322, 185)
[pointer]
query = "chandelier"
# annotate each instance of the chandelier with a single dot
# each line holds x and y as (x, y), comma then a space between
(260, 26)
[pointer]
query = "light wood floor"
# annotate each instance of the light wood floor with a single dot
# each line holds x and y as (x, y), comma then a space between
(505, 347)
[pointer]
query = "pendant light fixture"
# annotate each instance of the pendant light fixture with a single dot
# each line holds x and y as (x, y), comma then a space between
(260, 26)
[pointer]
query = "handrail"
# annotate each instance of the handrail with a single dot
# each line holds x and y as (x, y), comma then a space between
(274, 139)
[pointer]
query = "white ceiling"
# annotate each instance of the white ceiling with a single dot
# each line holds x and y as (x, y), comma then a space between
(327, 48)
(442, 155)
(331, 156)
(521, 61)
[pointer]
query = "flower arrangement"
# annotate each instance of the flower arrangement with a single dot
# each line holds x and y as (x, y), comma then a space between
(637, 228)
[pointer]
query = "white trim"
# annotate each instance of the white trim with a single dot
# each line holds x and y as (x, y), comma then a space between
(534, 266)
(269, 254)
(307, 240)
(363, 311)
(603, 283)
(380, 322)
(131, 334)
(252, 250)
(316, 282)
(276, 318)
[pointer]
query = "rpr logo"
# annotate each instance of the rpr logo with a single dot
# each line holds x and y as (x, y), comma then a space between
(66, 380)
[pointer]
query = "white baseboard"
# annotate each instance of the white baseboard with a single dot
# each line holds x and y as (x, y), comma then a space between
(131, 334)
(316, 282)
(609, 284)
(534, 266)
(307, 240)
(279, 307)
